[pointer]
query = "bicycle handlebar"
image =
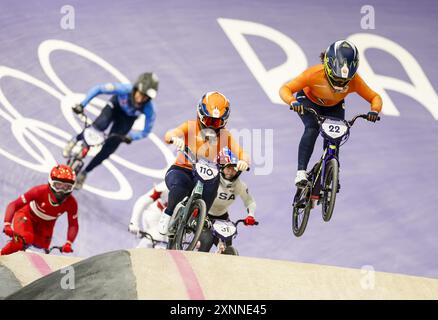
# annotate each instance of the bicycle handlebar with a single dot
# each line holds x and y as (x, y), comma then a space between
(47, 251)
(147, 235)
(243, 221)
(83, 117)
(349, 123)
(191, 156)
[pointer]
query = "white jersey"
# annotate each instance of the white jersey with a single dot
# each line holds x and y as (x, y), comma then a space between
(227, 193)
(147, 211)
(151, 217)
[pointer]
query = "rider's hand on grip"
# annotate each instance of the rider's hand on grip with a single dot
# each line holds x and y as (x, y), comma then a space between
(134, 229)
(373, 116)
(297, 107)
(8, 230)
(178, 142)
(66, 248)
(249, 221)
(242, 165)
(78, 109)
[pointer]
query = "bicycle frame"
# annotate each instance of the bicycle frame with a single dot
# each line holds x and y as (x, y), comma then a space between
(85, 147)
(330, 149)
(328, 154)
(321, 185)
(196, 194)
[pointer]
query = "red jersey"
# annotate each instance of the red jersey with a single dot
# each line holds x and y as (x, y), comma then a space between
(38, 203)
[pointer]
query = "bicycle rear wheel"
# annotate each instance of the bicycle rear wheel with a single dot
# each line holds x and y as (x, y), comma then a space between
(301, 211)
(330, 189)
(189, 231)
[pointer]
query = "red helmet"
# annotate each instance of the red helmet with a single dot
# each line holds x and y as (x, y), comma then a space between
(62, 180)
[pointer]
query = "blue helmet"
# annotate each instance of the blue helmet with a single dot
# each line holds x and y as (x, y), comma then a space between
(341, 61)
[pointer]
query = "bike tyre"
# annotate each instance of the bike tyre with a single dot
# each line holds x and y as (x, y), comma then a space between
(330, 182)
(297, 228)
(183, 226)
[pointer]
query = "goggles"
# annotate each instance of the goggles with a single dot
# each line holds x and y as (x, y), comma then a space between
(60, 186)
(210, 122)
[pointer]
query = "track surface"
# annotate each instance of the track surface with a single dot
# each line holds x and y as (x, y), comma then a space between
(386, 214)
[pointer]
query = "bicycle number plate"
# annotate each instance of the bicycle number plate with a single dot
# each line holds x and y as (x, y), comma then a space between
(93, 137)
(206, 170)
(334, 129)
(225, 228)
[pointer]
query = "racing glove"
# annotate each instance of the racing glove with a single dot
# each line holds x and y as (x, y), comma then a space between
(372, 116)
(8, 230)
(179, 143)
(78, 109)
(242, 165)
(249, 221)
(297, 107)
(133, 228)
(66, 248)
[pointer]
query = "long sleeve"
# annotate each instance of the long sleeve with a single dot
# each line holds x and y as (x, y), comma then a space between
(19, 203)
(237, 149)
(106, 88)
(12, 208)
(369, 95)
(149, 122)
(247, 198)
(144, 202)
(288, 89)
(73, 225)
(180, 131)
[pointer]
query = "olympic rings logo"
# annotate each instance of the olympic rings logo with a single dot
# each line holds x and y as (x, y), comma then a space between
(32, 134)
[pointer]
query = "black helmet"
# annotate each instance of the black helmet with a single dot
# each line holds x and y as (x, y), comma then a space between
(341, 60)
(147, 84)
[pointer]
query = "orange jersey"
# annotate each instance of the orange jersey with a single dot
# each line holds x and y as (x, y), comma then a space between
(191, 133)
(317, 88)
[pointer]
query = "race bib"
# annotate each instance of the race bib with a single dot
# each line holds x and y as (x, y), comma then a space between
(206, 171)
(224, 228)
(334, 129)
(93, 137)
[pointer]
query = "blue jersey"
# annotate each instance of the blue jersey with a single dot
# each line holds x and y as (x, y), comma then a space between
(123, 93)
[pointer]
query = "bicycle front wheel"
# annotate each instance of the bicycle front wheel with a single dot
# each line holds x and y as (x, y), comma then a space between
(189, 231)
(301, 211)
(330, 189)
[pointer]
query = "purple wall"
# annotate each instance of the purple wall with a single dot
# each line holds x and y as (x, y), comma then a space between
(386, 215)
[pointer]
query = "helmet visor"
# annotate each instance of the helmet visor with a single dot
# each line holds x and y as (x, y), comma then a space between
(210, 122)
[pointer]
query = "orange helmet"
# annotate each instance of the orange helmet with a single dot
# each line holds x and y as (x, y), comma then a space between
(62, 180)
(213, 110)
